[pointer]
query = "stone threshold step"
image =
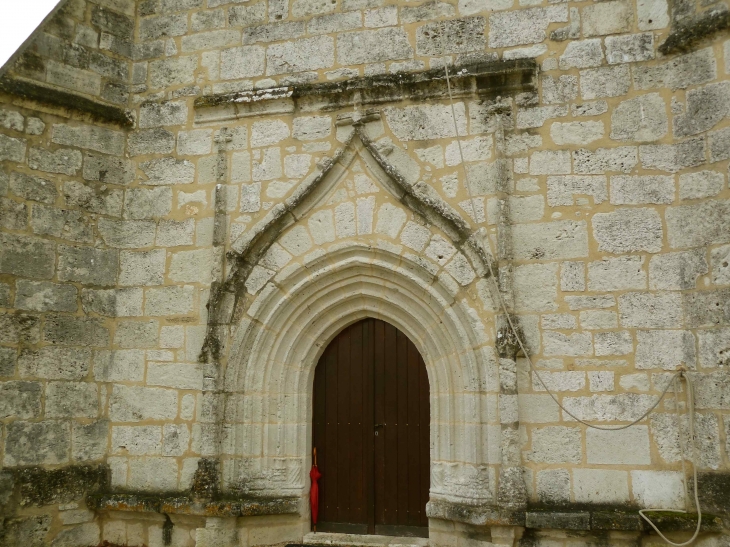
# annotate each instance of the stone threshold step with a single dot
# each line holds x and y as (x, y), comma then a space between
(354, 540)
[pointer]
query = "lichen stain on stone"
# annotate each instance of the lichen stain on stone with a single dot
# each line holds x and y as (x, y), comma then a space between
(700, 27)
(40, 487)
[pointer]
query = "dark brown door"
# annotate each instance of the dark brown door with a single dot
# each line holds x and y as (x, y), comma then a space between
(371, 431)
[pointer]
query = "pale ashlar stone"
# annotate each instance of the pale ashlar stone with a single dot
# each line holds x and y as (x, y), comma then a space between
(652, 14)
(672, 446)
(550, 162)
(153, 474)
(650, 310)
(622, 159)
(607, 18)
(440, 250)
(706, 106)
(72, 400)
(121, 365)
(612, 81)
(639, 190)
(598, 319)
(702, 184)
(536, 287)
(242, 62)
(296, 240)
(142, 268)
(677, 271)
(321, 227)
(137, 403)
(665, 349)
(628, 230)
(390, 220)
(572, 276)
(714, 347)
(269, 166)
(613, 343)
(658, 489)
(166, 171)
(140, 440)
(696, 225)
(600, 486)
(373, 46)
(45, 296)
(309, 128)
(536, 117)
(576, 344)
(461, 270)
(172, 300)
(268, 132)
(630, 48)
(573, 380)
(551, 240)
(297, 165)
(641, 119)
(554, 444)
(63, 161)
(561, 190)
(581, 54)
(451, 36)
(415, 236)
(576, 132)
(162, 114)
(693, 68)
(528, 26)
(553, 486)
(424, 122)
(629, 446)
(345, 219)
(720, 258)
(301, 55)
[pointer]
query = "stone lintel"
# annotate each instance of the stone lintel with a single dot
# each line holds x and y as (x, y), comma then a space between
(43, 94)
(182, 505)
(484, 79)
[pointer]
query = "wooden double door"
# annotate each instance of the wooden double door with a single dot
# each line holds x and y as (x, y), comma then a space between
(371, 430)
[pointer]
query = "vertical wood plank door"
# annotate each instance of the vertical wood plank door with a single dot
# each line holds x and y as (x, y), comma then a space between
(371, 429)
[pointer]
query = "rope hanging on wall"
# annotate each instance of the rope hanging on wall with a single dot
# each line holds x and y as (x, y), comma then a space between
(674, 381)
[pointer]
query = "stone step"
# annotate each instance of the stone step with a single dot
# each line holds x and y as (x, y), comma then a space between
(354, 540)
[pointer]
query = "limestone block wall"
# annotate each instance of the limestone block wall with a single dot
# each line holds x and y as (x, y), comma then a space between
(165, 287)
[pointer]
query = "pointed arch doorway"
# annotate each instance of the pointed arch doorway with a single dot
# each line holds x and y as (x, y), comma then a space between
(371, 417)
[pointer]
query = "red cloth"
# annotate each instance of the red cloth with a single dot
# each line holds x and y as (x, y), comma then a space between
(315, 475)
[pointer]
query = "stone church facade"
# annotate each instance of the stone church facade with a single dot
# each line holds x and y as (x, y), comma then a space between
(197, 196)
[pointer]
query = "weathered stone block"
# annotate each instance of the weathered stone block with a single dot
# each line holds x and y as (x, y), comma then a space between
(45, 296)
(556, 445)
(706, 106)
(177, 375)
(559, 381)
(12, 149)
(13, 215)
(697, 225)
(27, 256)
(72, 400)
(63, 161)
(707, 308)
(162, 114)
(453, 36)
(88, 265)
(142, 268)
(121, 365)
(581, 54)
(136, 334)
(136, 403)
(600, 486)
(89, 441)
(536, 287)
(151, 141)
(373, 46)
(611, 81)
(69, 330)
(656, 189)
(249, 15)
(91, 137)
(302, 55)
(720, 258)
(41, 443)
(153, 474)
(525, 26)
(192, 266)
(550, 240)
(550, 162)
(139, 440)
(242, 62)
(607, 18)
(94, 199)
(553, 486)
(665, 349)
(677, 271)
(554, 91)
(683, 71)
(572, 276)
(617, 274)
(622, 159)
(20, 399)
(310, 128)
(113, 302)
(703, 184)
(336, 22)
(15, 328)
(168, 171)
(8, 359)
(561, 189)
(628, 230)
(613, 343)
(631, 48)
(33, 188)
(27, 531)
(714, 348)
(169, 301)
(147, 203)
(556, 343)
(108, 169)
(641, 119)
(658, 489)
(628, 446)
(650, 310)
(127, 234)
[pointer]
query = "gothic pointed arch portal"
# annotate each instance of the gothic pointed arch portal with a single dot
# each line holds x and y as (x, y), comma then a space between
(307, 271)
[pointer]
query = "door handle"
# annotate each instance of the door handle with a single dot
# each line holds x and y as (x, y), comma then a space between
(376, 426)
